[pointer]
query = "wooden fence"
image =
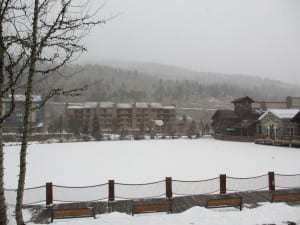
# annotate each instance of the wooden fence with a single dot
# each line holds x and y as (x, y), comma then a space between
(167, 188)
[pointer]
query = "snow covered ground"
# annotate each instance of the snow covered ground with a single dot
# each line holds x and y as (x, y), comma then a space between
(90, 163)
(276, 213)
(81, 164)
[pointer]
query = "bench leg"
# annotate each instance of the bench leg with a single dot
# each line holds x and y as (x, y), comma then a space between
(93, 212)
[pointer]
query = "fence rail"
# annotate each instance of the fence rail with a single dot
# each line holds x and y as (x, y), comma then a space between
(209, 186)
(111, 191)
(80, 194)
(258, 183)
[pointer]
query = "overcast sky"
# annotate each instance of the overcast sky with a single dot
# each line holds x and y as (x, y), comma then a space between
(255, 37)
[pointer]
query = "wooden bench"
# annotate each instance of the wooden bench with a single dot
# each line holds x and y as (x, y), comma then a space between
(152, 207)
(72, 213)
(287, 197)
(225, 202)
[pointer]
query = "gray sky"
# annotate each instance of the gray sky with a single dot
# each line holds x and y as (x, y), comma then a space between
(255, 37)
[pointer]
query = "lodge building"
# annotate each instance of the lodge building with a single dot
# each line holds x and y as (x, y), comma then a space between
(249, 118)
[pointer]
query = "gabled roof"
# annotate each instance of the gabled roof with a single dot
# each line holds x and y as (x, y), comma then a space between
(296, 117)
(224, 114)
(242, 99)
(281, 113)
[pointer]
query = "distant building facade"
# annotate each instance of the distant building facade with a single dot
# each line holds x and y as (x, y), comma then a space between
(14, 123)
(117, 117)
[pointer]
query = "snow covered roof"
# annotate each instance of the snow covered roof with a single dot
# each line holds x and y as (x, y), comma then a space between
(144, 105)
(90, 105)
(158, 122)
(141, 105)
(22, 98)
(75, 106)
(124, 105)
(281, 113)
(155, 105)
(106, 104)
(169, 107)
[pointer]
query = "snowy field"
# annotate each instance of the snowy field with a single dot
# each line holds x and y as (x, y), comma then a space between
(80, 164)
(90, 163)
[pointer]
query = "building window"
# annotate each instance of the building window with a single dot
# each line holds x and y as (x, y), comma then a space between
(290, 131)
(259, 129)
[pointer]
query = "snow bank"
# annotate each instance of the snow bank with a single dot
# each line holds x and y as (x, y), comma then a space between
(276, 213)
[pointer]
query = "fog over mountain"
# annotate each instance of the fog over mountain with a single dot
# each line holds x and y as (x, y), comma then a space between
(133, 81)
(178, 73)
(254, 37)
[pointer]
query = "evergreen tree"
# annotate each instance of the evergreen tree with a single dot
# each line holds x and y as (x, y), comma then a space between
(170, 129)
(96, 127)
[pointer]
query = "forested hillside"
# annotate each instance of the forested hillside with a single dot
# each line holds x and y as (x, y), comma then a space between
(105, 83)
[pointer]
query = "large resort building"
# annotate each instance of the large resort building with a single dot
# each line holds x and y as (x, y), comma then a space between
(114, 117)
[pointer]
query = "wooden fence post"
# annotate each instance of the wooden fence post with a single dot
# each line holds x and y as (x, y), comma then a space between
(49, 194)
(169, 192)
(271, 181)
(222, 183)
(111, 190)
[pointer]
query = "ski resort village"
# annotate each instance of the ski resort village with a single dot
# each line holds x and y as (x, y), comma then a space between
(114, 162)
(152, 112)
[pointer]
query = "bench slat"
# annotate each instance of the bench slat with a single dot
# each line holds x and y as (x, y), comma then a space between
(146, 208)
(69, 213)
(224, 202)
(286, 197)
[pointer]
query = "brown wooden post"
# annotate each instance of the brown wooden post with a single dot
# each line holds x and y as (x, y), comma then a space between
(111, 190)
(169, 192)
(49, 194)
(271, 181)
(222, 183)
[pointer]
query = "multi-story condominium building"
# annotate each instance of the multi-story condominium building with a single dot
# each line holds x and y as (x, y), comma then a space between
(14, 122)
(113, 117)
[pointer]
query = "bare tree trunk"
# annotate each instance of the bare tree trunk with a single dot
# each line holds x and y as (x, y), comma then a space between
(26, 120)
(3, 213)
